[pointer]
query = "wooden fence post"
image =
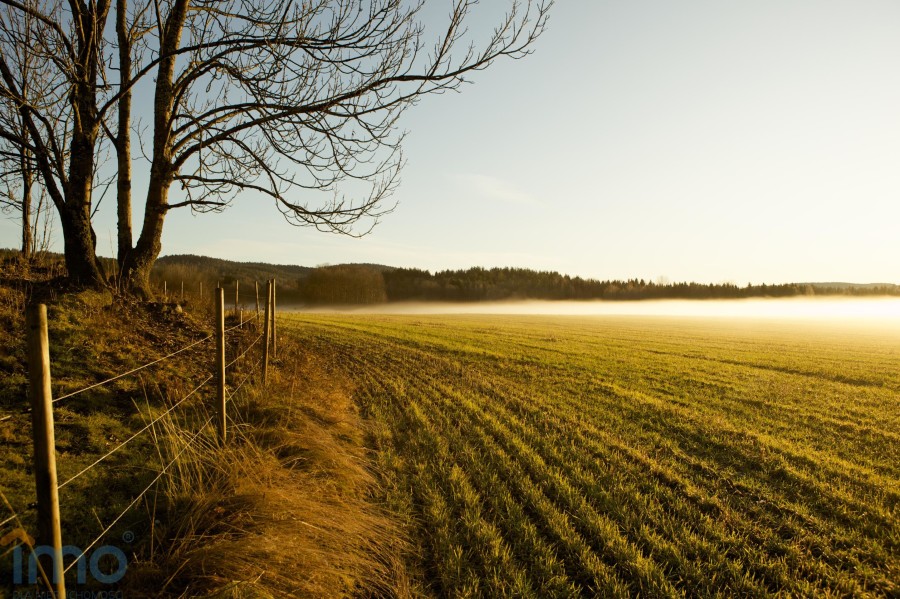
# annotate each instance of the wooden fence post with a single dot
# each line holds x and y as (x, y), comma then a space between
(182, 290)
(39, 392)
(201, 289)
(256, 287)
(237, 286)
(165, 290)
(274, 334)
(220, 362)
(265, 356)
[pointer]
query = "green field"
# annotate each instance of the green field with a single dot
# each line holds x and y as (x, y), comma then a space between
(617, 456)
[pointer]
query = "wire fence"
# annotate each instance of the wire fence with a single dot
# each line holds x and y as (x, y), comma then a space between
(135, 370)
(142, 493)
(42, 404)
(138, 433)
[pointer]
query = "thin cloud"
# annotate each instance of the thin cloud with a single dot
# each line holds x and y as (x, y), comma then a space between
(494, 188)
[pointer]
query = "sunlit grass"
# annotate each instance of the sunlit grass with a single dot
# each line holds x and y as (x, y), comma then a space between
(617, 456)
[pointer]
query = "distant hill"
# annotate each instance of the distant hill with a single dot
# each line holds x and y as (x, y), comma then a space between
(378, 283)
(229, 270)
(344, 283)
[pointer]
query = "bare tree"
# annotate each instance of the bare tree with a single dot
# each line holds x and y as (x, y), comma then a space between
(294, 101)
(286, 99)
(62, 133)
(16, 157)
(17, 182)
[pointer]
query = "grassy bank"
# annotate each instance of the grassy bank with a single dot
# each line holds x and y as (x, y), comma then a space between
(284, 509)
(615, 457)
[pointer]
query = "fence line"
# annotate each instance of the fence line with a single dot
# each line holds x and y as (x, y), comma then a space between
(39, 371)
(132, 371)
(222, 421)
(140, 495)
(137, 434)
(249, 347)
(139, 368)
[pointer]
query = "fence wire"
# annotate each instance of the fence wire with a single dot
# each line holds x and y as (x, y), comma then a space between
(15, 518)
(237, 326)
(244, 380)
(132, 371)
(255, 341)
(142, 493)
(135, 435)
(168, 411)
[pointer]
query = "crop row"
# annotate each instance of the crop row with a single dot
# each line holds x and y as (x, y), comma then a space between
(566, 467)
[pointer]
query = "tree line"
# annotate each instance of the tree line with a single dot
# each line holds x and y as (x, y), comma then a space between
(498, 284)
(374, 284)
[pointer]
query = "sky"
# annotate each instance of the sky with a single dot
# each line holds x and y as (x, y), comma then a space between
(710, 141)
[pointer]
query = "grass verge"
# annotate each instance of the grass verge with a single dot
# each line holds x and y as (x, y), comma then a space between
(285, 509)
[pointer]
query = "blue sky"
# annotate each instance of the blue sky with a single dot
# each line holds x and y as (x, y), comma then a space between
(711, 141)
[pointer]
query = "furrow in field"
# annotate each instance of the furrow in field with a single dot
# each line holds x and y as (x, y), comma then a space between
(766, 507)
(674, 489)
(740, 407)
(577, 500)
(561, 489)
(778, 545)
(604, 534)
(591, 572)
(854, 479)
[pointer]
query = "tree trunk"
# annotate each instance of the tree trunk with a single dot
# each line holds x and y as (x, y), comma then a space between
(81, 257)
(137, 267)
(75, 214)
(75, 211)
(139, 262)
(27, 231)
(123, 138)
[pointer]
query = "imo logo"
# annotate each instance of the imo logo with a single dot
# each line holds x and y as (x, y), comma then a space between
(83, 565)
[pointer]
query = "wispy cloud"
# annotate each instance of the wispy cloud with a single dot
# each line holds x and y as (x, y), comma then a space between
(494, 188)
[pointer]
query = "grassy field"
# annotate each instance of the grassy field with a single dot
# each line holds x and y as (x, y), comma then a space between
(617, 456)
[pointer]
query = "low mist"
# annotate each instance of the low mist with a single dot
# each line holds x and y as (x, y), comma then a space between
(883, 310)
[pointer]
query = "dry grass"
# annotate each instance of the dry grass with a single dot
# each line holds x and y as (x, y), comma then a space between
(285, 509)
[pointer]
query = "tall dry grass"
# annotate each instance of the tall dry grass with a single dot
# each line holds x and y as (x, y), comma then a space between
(284, 509)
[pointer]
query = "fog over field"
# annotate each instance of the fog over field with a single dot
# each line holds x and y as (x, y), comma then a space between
(882, 311)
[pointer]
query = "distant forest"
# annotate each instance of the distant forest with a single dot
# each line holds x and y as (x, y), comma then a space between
(372, 284)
